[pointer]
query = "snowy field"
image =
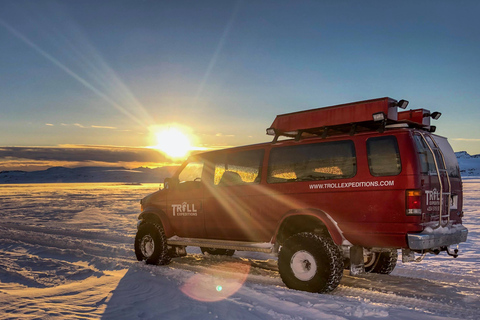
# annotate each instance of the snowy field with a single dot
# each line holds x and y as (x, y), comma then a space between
(66, 252)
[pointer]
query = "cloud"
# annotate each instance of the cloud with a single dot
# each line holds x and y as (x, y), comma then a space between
(224, 135)
(74, 156)
(102, 127)
(79, 125)
(465, 139)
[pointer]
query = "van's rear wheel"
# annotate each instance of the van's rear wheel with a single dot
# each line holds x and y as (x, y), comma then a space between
(310, 262)
(219, 252)
(151, 244)
(381, 262)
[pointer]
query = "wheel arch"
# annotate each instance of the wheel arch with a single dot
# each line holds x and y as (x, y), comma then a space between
(157, 216)
(309, 220)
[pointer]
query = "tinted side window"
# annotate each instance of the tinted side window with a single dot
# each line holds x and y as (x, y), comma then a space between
(383, 156)
(319, 161)
(436, 152)
(238, 168)
(449, 155)
(424, 155)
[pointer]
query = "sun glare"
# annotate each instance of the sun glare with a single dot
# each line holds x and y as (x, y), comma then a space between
(172, 141)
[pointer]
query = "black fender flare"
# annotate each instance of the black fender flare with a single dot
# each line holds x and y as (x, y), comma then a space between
(332, 226)
(159, 216)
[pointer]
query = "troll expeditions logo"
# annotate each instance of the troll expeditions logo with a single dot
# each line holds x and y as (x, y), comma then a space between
(433, 197)
(184, 210)
(432, 200)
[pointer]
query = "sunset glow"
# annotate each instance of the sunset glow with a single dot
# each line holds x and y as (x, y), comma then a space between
(172, 141)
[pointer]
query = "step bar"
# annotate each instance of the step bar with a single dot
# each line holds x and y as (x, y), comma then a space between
(265, 247)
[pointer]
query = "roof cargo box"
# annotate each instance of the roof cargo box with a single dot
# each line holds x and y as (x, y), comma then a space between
(418, 116)
(315, 120)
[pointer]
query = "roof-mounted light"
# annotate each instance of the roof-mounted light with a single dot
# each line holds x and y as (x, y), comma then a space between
(402, 104)
(379, 116)
(434, 115)
(271, 131)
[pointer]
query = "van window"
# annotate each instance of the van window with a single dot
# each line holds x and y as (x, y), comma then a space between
(436, 152)
(383, 156)
(449, 155)
(424, 155)
(191, 172)
(319, 161)
(238, 168)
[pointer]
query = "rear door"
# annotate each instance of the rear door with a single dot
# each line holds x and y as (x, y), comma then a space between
(439, 194)
(454, 178)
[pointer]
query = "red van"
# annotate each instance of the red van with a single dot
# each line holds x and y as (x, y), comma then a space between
(338, 187)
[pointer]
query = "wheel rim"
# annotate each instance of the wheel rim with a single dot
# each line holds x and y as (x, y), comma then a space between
(369, 259)
(147, 246)
(303, 265)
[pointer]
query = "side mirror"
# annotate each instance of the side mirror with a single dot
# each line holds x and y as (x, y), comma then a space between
(170, 183)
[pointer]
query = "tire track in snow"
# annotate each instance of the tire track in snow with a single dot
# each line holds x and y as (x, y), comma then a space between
(64, 240)
(83, 234)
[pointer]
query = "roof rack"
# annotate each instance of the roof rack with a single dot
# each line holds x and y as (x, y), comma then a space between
(369, 115)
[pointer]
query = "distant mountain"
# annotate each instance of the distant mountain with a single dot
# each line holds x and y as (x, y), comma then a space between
(469, 165)
(89, 174)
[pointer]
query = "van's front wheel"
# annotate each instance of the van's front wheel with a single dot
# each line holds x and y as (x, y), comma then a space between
(310, 262)
(151, 244)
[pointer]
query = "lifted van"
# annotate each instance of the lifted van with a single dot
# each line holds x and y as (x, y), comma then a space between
(338, 187)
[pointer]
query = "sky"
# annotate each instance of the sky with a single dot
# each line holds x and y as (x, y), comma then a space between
(90, 82)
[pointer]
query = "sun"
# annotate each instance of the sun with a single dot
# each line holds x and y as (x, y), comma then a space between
(172, 141)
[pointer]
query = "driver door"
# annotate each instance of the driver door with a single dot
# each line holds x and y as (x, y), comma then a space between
(185, 202)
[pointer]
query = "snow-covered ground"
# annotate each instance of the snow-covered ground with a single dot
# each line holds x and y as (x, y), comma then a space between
(66, 252)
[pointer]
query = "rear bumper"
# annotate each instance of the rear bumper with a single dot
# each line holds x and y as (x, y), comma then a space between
(431, 240)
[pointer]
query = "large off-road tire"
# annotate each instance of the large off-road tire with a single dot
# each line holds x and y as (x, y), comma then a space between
(310, 262)
(381, 262)
(151, 244)
(219, 252)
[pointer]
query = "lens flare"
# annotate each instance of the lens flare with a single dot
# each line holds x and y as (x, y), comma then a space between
(219, 283)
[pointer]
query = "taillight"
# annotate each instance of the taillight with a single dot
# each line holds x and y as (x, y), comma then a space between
(413, 202)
